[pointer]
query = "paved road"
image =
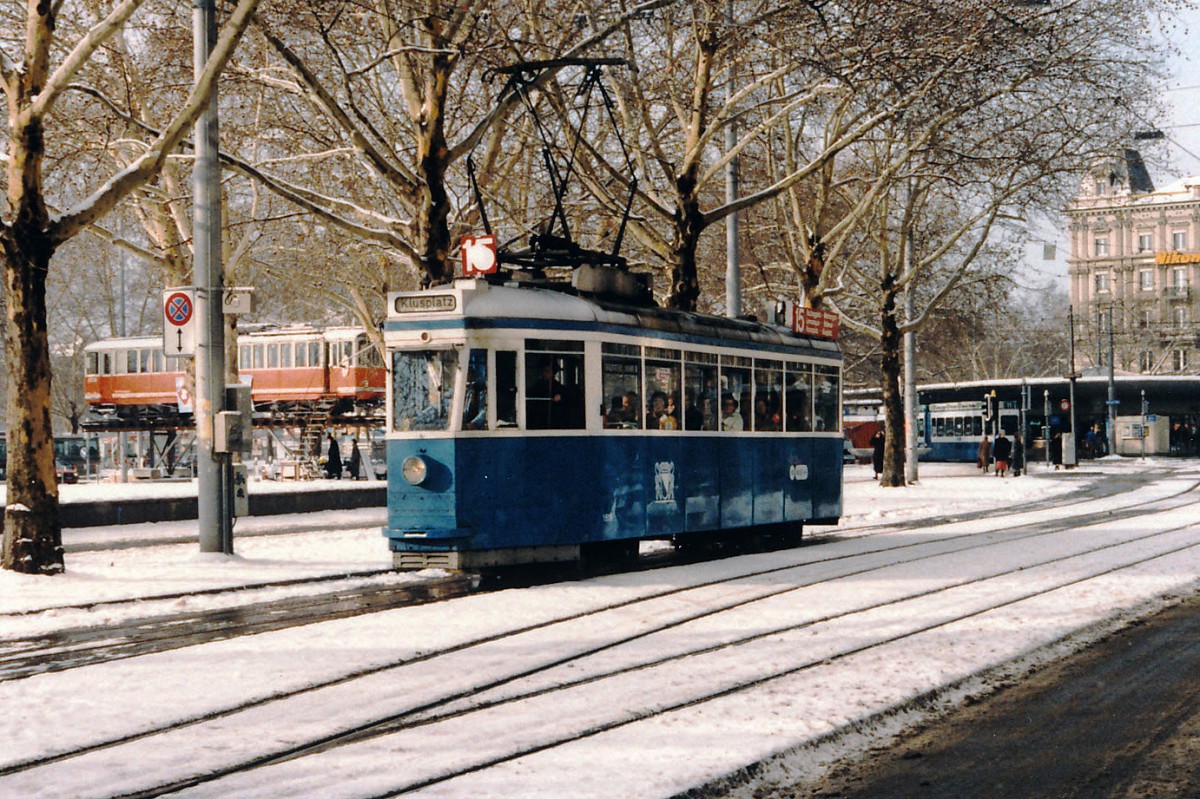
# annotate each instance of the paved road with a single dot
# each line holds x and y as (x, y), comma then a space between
(1120, 720)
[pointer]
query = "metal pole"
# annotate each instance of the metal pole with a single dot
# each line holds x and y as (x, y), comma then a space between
(733, 270)
(1071, 383)
(1046, 423)
(122, 466)
(1112, 392)
(910, 385)
(213, 472)
(1143, 424)
(1024, 422)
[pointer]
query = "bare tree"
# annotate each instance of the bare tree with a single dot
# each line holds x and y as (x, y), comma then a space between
(55, 54)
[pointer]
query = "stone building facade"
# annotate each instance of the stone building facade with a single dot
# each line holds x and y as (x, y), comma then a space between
(1135, 258)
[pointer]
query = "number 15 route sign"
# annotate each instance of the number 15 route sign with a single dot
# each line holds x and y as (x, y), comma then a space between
(179, 321)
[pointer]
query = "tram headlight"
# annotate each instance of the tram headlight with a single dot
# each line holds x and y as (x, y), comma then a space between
(415, 470)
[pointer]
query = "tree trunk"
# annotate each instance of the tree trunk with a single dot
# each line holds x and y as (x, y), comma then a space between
(433, 226)
(689, 224)
(893, 406)
(32, 537)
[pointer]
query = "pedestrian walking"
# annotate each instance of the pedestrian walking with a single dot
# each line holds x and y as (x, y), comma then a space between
(985, 454)
(333, 463)
(877, 441)
(1002, 451)
(1018, 455)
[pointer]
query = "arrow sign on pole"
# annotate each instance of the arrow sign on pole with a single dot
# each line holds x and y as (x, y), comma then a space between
(179, 321)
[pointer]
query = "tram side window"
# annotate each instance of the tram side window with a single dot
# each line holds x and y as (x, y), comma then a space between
(662, 389)
(285, 354)
(620, 384)
(91, 365)
(146, 357)
(554, 390)
(768, 396)
(340, 353)
(735, 393)
(273, 355)
(368, 354)
(302, 354)
(244, 357)
(259, 354)
(827, 396)
(422, 387)
(798, 403)
(506, 389)
(976, 426)
(475, 399)
(131, 362)
(701, 411)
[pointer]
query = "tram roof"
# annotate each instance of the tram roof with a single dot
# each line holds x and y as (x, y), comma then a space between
(478, 300)
(1123, 381)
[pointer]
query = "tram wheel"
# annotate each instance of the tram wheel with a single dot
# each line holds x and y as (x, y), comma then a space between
(603, 557)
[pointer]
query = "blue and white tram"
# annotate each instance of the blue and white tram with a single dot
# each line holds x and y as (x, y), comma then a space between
(953, 430)
(527, 424)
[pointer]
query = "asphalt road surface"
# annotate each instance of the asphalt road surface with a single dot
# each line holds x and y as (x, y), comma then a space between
(1120, 720)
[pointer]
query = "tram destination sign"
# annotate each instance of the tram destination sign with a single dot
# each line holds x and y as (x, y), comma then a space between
(814, 323)
(423, 303)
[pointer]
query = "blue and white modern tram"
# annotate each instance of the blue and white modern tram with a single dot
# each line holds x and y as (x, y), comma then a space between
(533, 424)
(952, 430)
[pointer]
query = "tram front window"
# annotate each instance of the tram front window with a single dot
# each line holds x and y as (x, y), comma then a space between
(422, 387)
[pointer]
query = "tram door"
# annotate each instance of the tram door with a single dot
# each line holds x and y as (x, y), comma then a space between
(554, 395)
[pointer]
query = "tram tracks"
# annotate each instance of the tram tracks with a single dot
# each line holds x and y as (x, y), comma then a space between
(679, 611)
(83, 646)
(86, 645)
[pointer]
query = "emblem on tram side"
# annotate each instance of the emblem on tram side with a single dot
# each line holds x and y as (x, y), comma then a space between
(664, 482)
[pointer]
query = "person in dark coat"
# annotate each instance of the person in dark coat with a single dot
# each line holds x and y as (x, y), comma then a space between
(877, 452)
(1002, 451)
(1056, 450)
(333, 464)
(1018, 455)
(984, 456)
(355, 465)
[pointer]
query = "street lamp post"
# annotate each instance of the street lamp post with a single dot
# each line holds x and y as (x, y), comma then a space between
(1046, 422)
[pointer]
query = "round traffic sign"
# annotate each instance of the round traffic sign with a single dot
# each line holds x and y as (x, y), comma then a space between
(178, 309)
(1064, 404)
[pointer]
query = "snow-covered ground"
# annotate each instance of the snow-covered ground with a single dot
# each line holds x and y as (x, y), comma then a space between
(643, 684)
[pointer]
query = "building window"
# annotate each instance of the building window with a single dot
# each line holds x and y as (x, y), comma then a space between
(1101, 246)
(1179, 359)
(1102, 282)
(1145, 242)
(1180, 317)
(1147, 362)
(1179, 278)
(1146, 318)
(1146, 280)
(1179, 241)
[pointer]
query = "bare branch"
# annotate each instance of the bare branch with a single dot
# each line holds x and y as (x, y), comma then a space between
(144, 168)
